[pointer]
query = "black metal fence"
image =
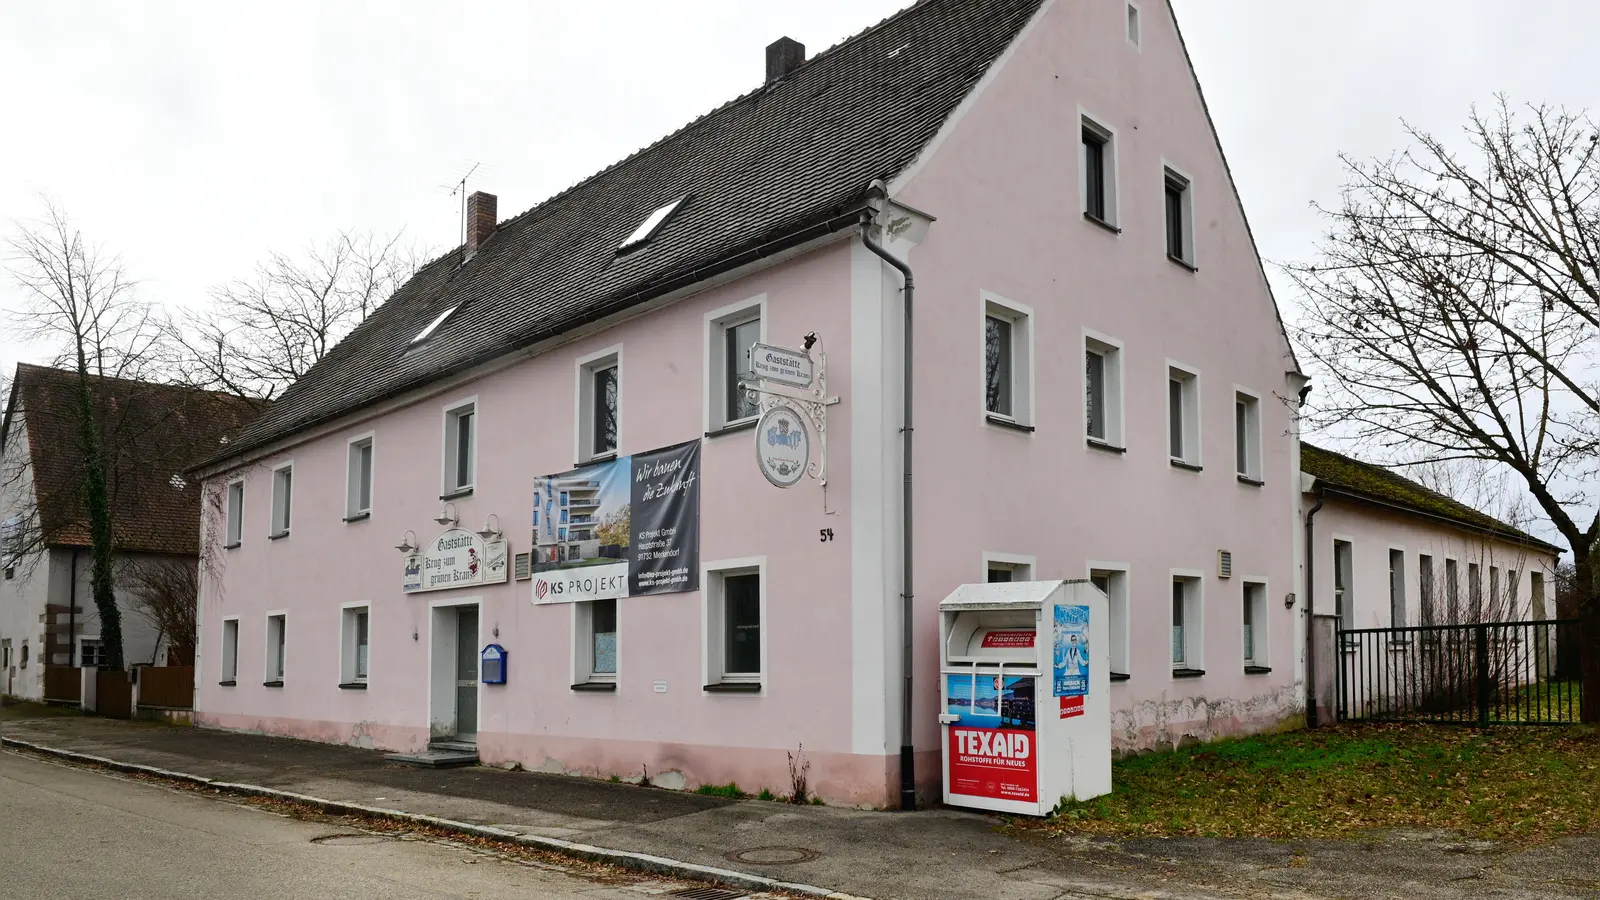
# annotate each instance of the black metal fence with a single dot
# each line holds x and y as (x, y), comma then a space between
(1498, 673)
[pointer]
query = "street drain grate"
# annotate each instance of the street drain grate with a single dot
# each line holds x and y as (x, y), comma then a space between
(772, 856)
(707, 893)
(350, 840)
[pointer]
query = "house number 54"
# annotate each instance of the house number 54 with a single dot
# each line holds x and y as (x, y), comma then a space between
(826, 534)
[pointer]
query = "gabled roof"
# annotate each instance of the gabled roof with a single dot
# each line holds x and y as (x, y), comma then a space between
(787, 159)
(1373, 483)
(152, 432)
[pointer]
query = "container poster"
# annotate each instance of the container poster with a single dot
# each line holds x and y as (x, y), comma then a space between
(1071, 651)
(620, 528)
(993, 752)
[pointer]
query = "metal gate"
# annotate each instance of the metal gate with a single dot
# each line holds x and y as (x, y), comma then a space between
(1493, 673)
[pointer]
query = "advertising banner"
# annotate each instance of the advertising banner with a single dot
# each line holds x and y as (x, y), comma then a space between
(619, 528)
(993, 752)
(1071, 651)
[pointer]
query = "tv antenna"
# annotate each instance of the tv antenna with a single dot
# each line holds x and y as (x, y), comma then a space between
(459, 188)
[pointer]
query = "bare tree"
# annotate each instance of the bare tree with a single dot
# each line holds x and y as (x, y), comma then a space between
(1478, 483)
(80, 298)
(165, 592)
(264, 331)
(1456, 307)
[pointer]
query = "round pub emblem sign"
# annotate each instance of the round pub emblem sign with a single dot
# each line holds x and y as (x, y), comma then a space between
(783, 446)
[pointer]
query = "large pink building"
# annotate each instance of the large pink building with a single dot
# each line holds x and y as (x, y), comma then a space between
(1102, 389)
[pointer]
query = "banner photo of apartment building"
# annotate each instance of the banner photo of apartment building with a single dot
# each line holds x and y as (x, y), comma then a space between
(618, 528)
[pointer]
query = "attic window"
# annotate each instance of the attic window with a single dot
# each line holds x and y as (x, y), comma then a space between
(432, 326)
(652, 224)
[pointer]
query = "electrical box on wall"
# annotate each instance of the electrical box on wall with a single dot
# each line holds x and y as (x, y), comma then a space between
(494, 665)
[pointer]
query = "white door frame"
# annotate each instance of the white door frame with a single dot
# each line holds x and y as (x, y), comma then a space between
(442, 663)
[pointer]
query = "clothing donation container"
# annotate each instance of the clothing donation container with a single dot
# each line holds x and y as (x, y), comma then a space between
(1025, 695)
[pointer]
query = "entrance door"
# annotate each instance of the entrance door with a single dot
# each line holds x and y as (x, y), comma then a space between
(466, 673)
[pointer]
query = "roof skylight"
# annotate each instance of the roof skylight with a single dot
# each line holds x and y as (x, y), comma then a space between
(423, 335)
(652, 224)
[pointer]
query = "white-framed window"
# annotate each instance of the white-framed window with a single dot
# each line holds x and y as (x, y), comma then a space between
(460, 447)
(599, 404)
(1494, 584)
(1133, 29)
(358, 478)
(1344, 599)
(1513, 584)
(730, 333)
(235, 513)
(277, 633)
(1102, 389)
(92, 652)
(595, 647)
(5, 654)
(1397, 588)
(1256, 626)
(355, 642)
(1178, 198)
(1007, 361)
(1188, 622)
(1183, 415)
(1097, 172)
(282, 499)
(1475, 586)
(1112, 580)
(1003, 568)
(1247, 434)
(735, 601)
(229, 670)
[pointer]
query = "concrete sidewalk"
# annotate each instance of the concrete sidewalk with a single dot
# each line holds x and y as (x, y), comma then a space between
(932, 855)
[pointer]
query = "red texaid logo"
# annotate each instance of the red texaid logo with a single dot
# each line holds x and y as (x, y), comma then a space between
(997, 763)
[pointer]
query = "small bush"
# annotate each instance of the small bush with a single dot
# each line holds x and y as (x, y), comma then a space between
(766, 795)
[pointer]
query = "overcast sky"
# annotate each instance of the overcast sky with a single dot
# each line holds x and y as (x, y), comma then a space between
(194, 137)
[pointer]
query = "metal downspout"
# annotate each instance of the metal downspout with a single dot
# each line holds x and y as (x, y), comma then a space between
(908, 775)
(1311, 610)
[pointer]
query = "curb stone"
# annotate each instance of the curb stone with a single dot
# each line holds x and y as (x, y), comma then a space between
(638, 862)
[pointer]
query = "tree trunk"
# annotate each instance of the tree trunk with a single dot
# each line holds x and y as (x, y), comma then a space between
(1589, 633)
(98, 503)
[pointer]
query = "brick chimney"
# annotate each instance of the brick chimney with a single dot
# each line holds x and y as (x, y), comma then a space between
(784, 55)
(482, 216)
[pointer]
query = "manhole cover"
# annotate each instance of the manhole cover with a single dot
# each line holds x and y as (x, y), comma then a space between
(350, 840)
(773, 856)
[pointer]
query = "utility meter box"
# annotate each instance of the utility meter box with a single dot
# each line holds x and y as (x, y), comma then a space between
(1025, 695)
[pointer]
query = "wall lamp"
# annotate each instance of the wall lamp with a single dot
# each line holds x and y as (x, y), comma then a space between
(448, 515)
(405, 545)
(489, 533)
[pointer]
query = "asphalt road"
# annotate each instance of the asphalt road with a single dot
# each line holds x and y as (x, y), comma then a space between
(73, 833)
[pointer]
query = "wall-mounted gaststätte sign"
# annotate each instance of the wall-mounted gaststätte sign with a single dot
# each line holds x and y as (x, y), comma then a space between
(783, 446)
(781, 364)
(457, 558)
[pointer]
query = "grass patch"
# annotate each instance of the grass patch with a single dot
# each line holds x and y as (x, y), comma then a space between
(1550, 701)
(767, 795)
(1516, 784)
(729, 790)
(27, 709)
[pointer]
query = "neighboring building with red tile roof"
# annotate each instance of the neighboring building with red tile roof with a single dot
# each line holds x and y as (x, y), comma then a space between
(151, 433)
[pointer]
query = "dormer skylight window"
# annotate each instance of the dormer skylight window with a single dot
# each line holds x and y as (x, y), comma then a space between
(432, 326)
(652, 224)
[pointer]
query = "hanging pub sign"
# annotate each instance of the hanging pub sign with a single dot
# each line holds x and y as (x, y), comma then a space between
(458, 558)
(619, 528)
(783, 446)
(781, 364)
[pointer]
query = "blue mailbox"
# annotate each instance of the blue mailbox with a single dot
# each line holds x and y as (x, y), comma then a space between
(494, 664)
